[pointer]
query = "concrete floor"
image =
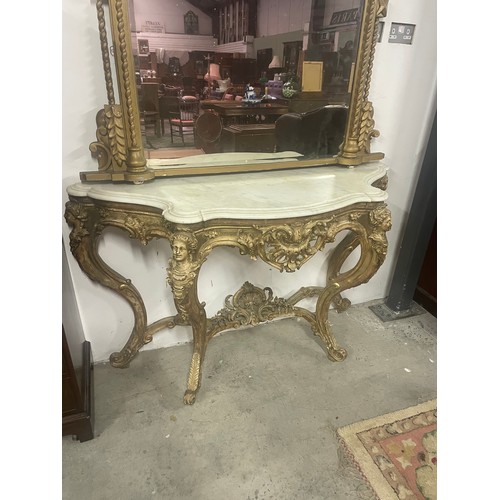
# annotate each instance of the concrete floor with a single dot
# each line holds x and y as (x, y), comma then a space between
(263, 425)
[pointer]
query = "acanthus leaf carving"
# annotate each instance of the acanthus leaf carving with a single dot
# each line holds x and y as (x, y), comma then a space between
(110, 147)
(382, 8)
(250, 305)
(76, 216)
(380, 220)
(366, 129)
(382, 183)
(138, 229)
(287, 246)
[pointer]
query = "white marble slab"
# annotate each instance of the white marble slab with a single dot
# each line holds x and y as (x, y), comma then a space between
(258, 195)
(221, 159)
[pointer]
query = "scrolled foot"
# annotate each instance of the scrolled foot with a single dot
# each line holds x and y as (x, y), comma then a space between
(189, 397)
(337, 354)
(120, 359)
(341, 304)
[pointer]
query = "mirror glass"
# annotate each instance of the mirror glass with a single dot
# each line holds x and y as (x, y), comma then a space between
(254, 76)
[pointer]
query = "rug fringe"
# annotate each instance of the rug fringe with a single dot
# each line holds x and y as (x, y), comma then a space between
(346, 458)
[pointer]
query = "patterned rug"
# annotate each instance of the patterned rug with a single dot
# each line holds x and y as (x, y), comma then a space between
(396, 453)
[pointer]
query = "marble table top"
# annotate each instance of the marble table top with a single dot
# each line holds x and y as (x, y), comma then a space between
(258, 195)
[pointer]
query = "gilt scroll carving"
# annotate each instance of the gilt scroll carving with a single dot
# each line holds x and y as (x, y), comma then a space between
(284, 244)
(250, 305)
(110, 147)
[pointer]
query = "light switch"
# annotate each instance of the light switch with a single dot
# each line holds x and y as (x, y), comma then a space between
(401, 33)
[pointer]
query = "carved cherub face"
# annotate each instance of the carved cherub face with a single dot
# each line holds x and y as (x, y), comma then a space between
(386, 223)
(382, 218)
(183, 246)
(179, 250)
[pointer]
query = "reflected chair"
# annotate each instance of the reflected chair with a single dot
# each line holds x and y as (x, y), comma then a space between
(317, 132)
(208, 130)
(150, 106)
(167, 102)
(182, 119)
(169, 108)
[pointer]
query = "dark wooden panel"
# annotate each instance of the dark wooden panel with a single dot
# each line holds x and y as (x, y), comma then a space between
(77, 390)
(426, 291)
(257, 138)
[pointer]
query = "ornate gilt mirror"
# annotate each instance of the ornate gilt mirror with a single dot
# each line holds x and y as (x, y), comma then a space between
(258, 73)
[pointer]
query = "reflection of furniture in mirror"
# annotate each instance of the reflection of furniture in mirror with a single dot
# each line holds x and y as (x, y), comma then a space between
(165, 103)
(174, 66)
(314, 133)
(169, 107)
(243, 70)
(150, 108)
(291, 55)
(236, 112)
(264, 58)
(189, 86)
(228, 95)
(312, 76)
(172, 91)
(249, 137)
(208, 130)
(330, 30)
(224, 84)
(307, 101)
(212, 75)
(182, 119)
(275, 88)
(148, 64)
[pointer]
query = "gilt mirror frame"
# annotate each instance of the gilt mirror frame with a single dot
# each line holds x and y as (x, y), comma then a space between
(119, 148)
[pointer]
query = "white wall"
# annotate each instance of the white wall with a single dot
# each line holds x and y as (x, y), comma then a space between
(403, 92)
(281, 16)
(175, 42)
(276, 42)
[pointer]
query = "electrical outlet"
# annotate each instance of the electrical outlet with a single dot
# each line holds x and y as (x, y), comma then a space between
(401, 33)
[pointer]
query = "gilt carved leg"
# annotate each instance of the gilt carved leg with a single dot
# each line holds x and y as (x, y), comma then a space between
(322, 326)
(370, 234)
(183, 273)
(337, 258)
(83, 242)
(197, 316)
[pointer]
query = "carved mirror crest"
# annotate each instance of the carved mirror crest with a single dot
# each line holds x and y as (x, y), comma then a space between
(342, 34)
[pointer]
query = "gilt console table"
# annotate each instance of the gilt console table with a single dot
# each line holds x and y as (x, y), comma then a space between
(281, 217)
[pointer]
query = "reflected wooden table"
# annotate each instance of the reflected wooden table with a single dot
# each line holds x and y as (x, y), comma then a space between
(235, 111)
(282, 218)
